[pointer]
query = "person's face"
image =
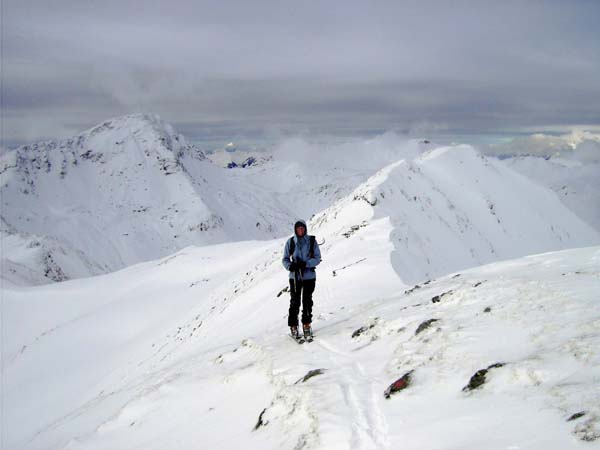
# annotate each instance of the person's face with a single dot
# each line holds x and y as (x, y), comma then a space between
(300, 231)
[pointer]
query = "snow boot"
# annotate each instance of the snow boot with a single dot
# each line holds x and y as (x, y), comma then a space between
(308, 336)
(294, 332)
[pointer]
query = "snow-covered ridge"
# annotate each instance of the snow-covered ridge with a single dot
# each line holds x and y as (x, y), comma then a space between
(453, 208)
(158, 355)
(102, 143)
(131, 189)
(109, 197)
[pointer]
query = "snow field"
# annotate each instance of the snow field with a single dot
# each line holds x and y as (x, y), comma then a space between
(208, 365)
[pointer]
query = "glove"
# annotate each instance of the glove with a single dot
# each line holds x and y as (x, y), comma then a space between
(301, 265)
(293, 266)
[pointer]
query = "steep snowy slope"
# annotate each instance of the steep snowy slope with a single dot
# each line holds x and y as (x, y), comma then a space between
(577, 184)
(116, 193)
(192, 349)
(569, 164)
(453, 208)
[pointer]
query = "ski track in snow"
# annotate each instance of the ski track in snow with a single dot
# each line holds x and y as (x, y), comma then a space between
(369, 427)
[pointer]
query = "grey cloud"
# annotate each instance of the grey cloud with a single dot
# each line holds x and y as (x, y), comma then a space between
(243, 68)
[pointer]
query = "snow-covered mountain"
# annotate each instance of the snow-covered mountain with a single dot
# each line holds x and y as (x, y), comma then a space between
(128, 190)
(453, 208)
(132, 189)
(568, 164)
(111, 196)
(193, 348)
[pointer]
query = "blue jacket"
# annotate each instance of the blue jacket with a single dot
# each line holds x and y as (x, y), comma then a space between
(301, 253)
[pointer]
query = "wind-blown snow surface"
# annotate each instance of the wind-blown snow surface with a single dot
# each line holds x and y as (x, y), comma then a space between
(191, 350)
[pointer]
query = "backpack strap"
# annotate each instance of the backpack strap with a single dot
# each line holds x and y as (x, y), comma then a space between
(311, 251)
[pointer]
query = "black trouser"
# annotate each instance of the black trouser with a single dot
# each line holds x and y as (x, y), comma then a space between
(306, 289)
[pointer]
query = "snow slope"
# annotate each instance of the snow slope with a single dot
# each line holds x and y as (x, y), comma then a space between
(453, 208)
(569, 164)
(577, 184)
(192, 349)
(117, 193)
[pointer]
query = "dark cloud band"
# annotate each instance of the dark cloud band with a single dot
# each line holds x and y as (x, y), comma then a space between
(219, 69)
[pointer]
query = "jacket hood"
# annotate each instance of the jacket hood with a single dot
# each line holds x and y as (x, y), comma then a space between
(299, 223)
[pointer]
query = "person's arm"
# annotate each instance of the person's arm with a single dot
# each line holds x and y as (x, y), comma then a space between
(286, 255)
(316, 259)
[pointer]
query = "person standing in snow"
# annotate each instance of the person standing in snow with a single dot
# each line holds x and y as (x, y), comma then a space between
(301, 255)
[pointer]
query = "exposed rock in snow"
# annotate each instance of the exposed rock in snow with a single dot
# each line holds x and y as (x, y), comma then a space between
(479, 378)
(231, 158)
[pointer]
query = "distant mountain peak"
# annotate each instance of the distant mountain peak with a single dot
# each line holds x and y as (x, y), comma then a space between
(133, 122)
(144, 136)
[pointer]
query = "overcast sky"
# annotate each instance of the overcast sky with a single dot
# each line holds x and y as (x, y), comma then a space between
(222, 70)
